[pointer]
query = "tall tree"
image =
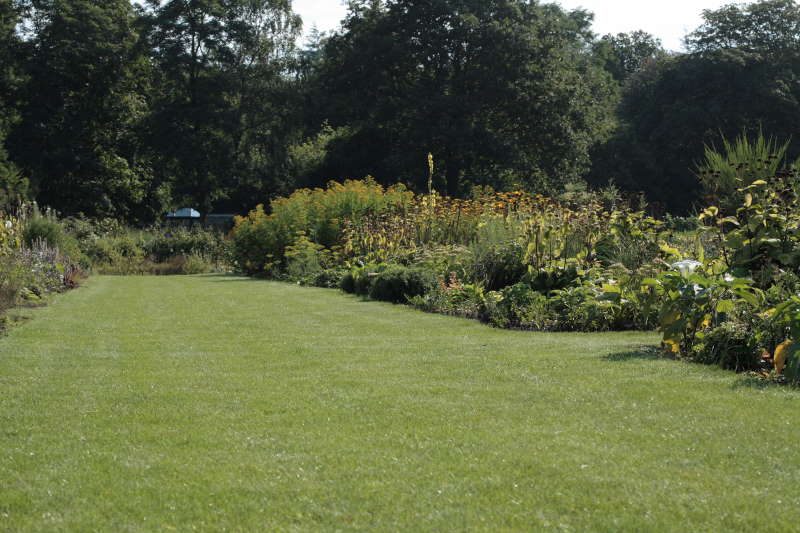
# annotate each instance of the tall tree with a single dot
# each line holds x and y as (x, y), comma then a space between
(492, 88)
(766, 26)
(624, 54)
(220, 117)
(13, 187)
(78, 139)
(742, 75)
(9, 48)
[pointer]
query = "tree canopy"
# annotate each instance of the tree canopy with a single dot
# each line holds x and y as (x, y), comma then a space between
(740, 77)
(496, 90)
(77, 139)
(127, 110)
(219, 110)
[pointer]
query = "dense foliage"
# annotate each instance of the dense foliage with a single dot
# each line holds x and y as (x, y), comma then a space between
(41, 254)
(128, 109)
(724, 291)
(493, 88)
(740, 75)
(32, 265)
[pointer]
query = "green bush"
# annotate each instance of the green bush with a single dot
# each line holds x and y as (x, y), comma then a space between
(119, 251)
(184, 265)
(348, 282)
(46, 229)
(363, 283)
(551, 279)
(681, 224)
(305, 259)
(500, 266)
(730, 345)
(580, 308)
(114, 249)
(359, 279)
(330, 278)
(15, 275)
(467, 301)
(101, 251)
(397, 284)
(519, 306)
(142, 266)
(43, 229)
(260, 240)
(164, 244)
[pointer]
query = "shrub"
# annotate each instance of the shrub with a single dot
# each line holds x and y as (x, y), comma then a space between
(43, 229)
(348, 282)
(500, 266)
(363, 282)
(330, 278)
(731, 345)
(110, 252)
(32, 272)
(740, 163)
(681, 224)
(48, 230)
(397, 284)
(14, 276)
(260, 240)
(184, 265)
(164, 244)
(580, 309)
(305, 259)
(359, 279)
(467, 301)
(546, 280)
(365, 277)
(518, 306)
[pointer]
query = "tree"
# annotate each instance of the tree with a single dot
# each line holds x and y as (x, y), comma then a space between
(13, 187)
(624, 54)
(9, 75)
(221, 115)
(497, 90)
(78, 138)
(741, 77)
(767, 26)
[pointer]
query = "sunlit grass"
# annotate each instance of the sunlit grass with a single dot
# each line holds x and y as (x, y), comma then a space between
(219, 403)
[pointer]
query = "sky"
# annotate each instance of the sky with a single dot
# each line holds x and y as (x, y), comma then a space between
(668, 20)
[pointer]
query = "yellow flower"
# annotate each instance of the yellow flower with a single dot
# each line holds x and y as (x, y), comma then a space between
(781, 355)
(671, 346)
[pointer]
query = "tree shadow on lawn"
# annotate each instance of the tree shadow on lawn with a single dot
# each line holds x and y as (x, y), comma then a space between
(752, 380)
(229, 278)
(643, 352)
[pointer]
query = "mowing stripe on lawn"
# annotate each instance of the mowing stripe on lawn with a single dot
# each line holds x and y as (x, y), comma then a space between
(221, 403)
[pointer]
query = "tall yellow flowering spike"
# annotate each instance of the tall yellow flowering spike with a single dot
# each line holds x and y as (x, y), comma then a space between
(430, 181)
(430, 173)
(781, 355)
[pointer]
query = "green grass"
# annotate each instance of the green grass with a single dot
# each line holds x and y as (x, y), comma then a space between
(223, 404)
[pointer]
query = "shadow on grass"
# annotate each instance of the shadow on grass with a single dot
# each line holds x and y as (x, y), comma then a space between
(230, 278)
(758, 382)
(647, 353)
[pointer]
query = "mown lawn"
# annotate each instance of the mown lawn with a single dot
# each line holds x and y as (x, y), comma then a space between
(223, 404)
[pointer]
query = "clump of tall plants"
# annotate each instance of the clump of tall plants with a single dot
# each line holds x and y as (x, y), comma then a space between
(261, 239)
(578, 257)
(740, 163)
(36, 258)
(723, 289)
(735, 308)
